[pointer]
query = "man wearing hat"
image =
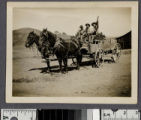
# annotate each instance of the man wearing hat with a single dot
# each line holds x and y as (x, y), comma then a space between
(87, 32)
(79, 34)
(87, 35)
(95, 26)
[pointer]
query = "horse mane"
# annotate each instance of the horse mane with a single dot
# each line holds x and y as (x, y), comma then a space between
(51, 34)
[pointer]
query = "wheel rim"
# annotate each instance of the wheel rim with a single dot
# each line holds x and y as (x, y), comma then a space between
(117, 53)
(115, 58)
(118, 50)
(97, 62)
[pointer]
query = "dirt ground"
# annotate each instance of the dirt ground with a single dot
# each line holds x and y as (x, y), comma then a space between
(31, 79)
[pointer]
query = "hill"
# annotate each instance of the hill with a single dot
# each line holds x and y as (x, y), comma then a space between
(62, 35)
(20, 35)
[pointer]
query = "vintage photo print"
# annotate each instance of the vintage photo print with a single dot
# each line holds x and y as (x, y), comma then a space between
(72, 52)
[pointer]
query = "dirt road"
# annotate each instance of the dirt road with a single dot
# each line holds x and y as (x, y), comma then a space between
(30, 78)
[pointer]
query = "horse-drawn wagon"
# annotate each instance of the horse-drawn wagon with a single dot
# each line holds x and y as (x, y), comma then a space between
(99, 50)
(111, 49)
(95, 49)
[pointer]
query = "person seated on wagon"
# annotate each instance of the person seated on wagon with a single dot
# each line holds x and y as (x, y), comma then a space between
(79, 34)
(86, 36)
(95, 26)
(86, 33)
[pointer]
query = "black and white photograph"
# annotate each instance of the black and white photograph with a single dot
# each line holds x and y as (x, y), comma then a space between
(72, 52)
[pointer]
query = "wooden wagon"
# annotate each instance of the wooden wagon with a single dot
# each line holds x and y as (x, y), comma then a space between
(99, 50)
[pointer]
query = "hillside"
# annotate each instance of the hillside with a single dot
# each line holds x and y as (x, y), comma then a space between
(20, 35)
(63, 35)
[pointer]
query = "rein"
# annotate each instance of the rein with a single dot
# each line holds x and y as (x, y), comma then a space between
(68, 50)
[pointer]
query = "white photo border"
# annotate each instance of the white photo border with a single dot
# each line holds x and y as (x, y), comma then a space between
(78, 100)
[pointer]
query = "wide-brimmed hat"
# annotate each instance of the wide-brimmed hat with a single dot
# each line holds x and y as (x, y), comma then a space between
(93, 23)
(81, 26)
(87, 24)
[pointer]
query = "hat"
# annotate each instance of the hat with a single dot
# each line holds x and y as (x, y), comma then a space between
(93, 23)
(87, 24)
(81, 26)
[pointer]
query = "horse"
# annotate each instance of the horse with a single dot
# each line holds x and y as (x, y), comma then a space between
(63, 49)
(34, 38)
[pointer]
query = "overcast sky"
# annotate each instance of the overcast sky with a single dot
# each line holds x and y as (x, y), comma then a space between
(112, 21)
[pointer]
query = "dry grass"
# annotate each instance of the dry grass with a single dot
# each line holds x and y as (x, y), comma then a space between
(31, 79)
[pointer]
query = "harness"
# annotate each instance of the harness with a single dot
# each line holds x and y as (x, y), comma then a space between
(60, 43)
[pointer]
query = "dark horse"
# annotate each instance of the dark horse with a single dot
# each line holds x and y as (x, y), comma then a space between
(34, 38)
(63, 49)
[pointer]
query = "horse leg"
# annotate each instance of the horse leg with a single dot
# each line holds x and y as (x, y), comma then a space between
(48, 65)
(65, 61)
(60, 64)
(78, 65)
(79, 60)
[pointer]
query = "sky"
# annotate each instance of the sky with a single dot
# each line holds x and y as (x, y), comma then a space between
(113, 22)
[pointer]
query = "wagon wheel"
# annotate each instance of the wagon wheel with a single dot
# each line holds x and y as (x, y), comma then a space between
(97, 60)
(116, 53)
(118, 50)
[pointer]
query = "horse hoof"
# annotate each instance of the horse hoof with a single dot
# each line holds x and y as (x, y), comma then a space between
(49, 70)
(63, 72)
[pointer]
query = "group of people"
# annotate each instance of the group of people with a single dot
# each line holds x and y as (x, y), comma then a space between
(88, 34)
